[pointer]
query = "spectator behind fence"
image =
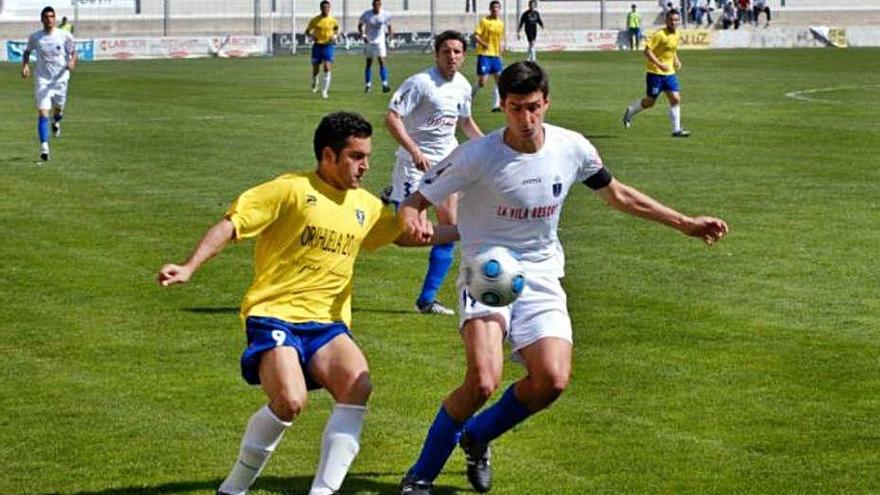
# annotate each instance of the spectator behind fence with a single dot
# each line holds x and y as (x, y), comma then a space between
(728, 16)
(704, 9)
(761, 6)
(634, 25)
(743, 12)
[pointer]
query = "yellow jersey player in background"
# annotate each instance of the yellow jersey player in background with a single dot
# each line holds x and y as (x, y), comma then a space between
(488, 35)
(661, 51)
(323, 28)
(309, 228)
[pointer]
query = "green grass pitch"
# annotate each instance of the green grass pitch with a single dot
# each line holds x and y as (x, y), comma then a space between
(749, 367)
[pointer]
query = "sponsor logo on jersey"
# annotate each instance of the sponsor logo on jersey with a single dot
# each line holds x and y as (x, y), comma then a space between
(532, 181)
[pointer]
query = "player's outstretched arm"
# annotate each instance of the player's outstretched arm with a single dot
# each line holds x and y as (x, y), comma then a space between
(214, 240)
(413, 219)
(630, 200)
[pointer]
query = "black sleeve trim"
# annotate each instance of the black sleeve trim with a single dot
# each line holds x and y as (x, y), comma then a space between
(599, 180)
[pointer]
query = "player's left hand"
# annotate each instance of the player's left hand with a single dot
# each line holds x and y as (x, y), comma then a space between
(25, 71)
(709, 229)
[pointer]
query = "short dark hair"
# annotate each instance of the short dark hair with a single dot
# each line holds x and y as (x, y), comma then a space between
(45, 11)
(447, 35)
(324, 2)
(522, 78)
(672, 12)
(335, 129)
(494, 2)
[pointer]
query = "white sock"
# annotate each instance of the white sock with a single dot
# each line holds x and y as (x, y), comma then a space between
(326, 81)
(533, 53)
(635, 108)
(264, 431)
(315, 80)
(339, 445)
(675, 117)
(497, 98)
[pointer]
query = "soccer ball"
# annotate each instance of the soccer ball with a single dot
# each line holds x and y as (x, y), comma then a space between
(494, 276)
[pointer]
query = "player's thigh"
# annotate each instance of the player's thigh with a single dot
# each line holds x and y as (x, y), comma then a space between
(281, 375)
(404, 179)
(447, 210)
(548, 360)
(43, 97)
(541, 312)
(342, 369)
(483, 339)
(59, 95)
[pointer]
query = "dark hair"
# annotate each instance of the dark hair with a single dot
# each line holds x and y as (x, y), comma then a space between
(447, 35)
(672, 12)
(324, 2)
(46, 10)
(522, 78)
(494, 2)
(335, 129)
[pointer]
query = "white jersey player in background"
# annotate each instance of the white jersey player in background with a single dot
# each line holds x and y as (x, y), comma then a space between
(511, 186)
(422, 118)
(56, 58)
(374, 27)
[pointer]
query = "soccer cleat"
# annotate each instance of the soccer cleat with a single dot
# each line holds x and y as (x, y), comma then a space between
(386, 195)
(314, 86)
(627, 119)
(324, 94)
(56, 129)
(386, 88)
(479, 468)
(496, 109)
(433, 308)
(411, 486)
(44, 152)
(681, 133)
(368, 88)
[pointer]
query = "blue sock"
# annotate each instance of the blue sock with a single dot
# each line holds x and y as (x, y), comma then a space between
(438, 266)
(43, 128)
(368, 75)
(438, 446)
(58, 117)
(383, 73)
(498, 418)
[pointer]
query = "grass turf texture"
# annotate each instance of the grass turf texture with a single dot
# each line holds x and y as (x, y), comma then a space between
(750, 367)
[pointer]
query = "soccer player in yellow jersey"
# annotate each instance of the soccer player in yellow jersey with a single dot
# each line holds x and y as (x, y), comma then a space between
(309, 228)
(323, 28)
(662, 53)
(488, 35)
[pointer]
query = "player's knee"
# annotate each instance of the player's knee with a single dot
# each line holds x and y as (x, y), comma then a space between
(648, 103)
(483, 386)
(674, 101)
(288, 406)
(360, 387)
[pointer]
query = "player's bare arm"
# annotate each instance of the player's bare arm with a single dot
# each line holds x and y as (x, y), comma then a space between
(677, 62)
(25, 68)
(481, 42)
(394, 124)
(470, 128)
(630, 200)
(656, 61)
(440, 234)
(214, 240)
(71, 65)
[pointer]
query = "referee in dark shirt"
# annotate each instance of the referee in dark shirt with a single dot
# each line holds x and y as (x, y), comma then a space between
(531, 19)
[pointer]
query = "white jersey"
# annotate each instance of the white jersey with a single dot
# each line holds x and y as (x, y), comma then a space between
(53, 51)
(513, 199)
(375, 25)
(430, 106)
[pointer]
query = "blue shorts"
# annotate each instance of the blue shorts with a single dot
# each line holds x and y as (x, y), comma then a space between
(322, 53)
(656, 84)
(265, 333)
(489, 65)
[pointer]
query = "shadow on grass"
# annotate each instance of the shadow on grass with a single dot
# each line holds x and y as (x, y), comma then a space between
(354, 483)
(212, 311)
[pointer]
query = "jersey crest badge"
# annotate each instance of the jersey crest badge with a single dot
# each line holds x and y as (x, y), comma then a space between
(360, 216)
(557, 186)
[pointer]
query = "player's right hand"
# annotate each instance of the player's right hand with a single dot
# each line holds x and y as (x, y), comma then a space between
(25, 71)
(663, 67)
(421, 161)
(171, 274)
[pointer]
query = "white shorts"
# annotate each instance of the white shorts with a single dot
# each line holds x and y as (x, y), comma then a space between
(375, 50)
(404, 179)
(50, 94)
(540, 312)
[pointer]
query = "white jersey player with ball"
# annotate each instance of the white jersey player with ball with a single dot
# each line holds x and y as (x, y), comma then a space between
(56, 58)
(512, 184)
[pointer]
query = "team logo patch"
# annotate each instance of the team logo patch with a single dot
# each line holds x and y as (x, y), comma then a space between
(557, 186)
(311, 200)
(360, 216)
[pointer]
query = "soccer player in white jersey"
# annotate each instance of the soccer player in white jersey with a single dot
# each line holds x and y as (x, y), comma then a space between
(374, 27)
(511, 185)
(56, 59)
(422, 117)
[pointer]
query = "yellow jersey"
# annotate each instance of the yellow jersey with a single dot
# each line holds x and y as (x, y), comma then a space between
(663, 45)
(491, 31)
(308, 237)
(322, 29)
